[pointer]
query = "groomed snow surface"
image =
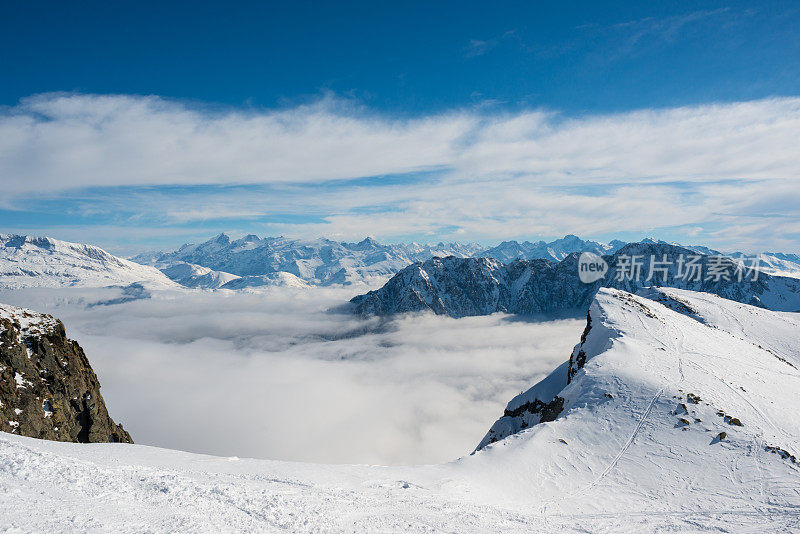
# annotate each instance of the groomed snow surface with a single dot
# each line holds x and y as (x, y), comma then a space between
(638, 447)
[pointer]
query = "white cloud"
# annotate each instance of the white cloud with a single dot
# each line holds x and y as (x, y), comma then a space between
(271, 375)
(70, 141)
(490, 175)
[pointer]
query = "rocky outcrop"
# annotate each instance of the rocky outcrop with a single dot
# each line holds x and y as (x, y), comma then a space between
(48, 390)
(578, 357)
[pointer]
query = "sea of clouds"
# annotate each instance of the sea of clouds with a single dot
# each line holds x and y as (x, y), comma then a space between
(275, 374)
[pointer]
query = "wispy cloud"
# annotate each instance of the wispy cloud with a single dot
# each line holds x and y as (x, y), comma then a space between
(666, 28)
(635, 37)
(479, 47)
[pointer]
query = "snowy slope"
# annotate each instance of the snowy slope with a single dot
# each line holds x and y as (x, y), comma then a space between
(278, 279)
(776, 263)
(629, 450)
(27, 261)
(197, 276)
(643, 401)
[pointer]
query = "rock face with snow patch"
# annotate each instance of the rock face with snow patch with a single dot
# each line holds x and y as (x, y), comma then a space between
(47, 387)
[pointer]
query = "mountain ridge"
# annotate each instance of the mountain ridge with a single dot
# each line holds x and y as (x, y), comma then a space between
(29, 261)
(461, 287)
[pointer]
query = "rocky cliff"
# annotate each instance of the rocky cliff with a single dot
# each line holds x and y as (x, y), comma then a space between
(47, 387)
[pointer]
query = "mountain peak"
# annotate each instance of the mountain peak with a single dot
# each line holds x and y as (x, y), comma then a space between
(20, 240)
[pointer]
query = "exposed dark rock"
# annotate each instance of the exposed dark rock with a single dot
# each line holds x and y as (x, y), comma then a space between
(548, 411)
(681, 409)
(782, 453)
(526, 415)
(733, 421)
(48, 390)
(578, 359)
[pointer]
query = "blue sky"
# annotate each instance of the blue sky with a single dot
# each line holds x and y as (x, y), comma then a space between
(155, 123)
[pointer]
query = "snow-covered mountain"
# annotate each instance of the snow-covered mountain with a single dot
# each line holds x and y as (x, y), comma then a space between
(27, 261)
(678, 415)
(557, 250)
(670, 403)
(700, 249)
(326, 262)
(191, 275)
(278, 279)
(479, 286)
(776, 263)
(319, 261)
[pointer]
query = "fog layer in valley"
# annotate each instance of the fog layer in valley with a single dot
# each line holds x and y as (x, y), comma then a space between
(273, 374)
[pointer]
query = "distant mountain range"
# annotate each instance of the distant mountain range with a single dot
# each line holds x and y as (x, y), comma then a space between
(557, 250)
(317, 262)
(253, 262)
(461, 287)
